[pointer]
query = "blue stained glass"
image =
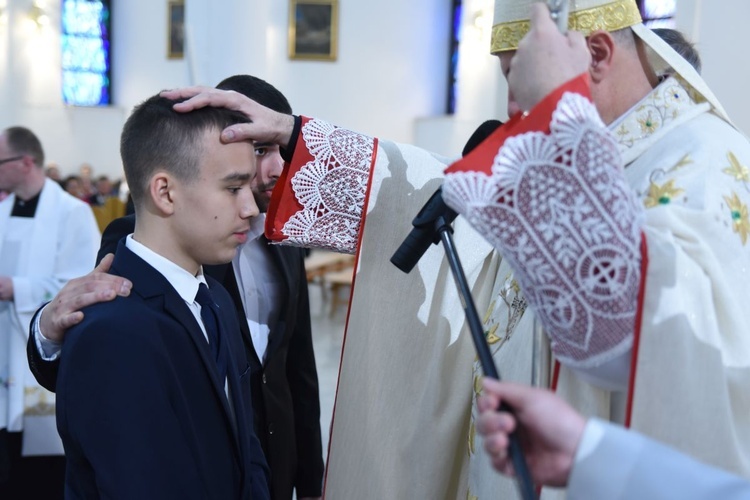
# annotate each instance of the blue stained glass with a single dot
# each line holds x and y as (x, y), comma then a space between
(85, 88)
(453, 66)
(85, 52)
(83, 17)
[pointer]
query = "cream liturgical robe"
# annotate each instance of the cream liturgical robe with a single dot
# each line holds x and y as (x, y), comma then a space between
(691, 336)
(59, 243)
(403, 424)
(402, 406)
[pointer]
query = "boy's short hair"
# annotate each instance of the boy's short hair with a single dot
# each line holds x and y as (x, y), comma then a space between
(156, 137)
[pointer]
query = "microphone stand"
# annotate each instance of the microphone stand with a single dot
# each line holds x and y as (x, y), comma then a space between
(444, 229)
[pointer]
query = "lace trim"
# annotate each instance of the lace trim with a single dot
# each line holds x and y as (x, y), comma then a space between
(331, 188)
(559, 209)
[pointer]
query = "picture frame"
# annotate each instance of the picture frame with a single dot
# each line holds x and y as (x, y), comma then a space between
(176, 29)
(313, 29)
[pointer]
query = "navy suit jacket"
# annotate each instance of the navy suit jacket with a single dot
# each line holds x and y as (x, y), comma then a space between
(140, 407)
(286, 405)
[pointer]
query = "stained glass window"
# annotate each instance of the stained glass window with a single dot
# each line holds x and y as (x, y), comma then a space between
(86, 52)
(450, 107)
(658, 13)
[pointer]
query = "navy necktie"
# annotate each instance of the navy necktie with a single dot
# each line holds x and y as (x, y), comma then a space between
(210, 317)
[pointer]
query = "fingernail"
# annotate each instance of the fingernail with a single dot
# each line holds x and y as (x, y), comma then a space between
(228, 135)
(125, 287)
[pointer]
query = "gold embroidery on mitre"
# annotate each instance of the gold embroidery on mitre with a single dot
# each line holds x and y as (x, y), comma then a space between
(740, 217)
(469, 496)
(610, 17)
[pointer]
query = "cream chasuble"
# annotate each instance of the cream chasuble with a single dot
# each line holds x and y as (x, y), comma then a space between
(403, 422)
(688, 169)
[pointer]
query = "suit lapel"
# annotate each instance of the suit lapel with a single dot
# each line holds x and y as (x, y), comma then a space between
(224, 274)
(157, 292)
(239, 398)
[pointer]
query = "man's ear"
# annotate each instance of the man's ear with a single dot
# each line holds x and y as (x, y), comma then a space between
(602, 48)
(161, 188)
(28, 163)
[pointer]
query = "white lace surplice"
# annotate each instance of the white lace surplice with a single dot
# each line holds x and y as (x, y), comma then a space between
(557, 207)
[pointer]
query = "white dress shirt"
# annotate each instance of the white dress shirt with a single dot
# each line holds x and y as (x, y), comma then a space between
(259, 284)
(182, 281)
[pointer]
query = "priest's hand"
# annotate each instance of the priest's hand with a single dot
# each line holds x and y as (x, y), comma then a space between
(550, 430)
(267, 125)
(6, 288)
(545, 59)
(65, 309)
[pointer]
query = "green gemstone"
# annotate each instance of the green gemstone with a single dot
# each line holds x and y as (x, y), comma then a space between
(664, 200)
(736, 215)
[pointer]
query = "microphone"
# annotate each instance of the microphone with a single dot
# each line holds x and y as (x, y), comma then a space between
(424, 233)
(480, 134)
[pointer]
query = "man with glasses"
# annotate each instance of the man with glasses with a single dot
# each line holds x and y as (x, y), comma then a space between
(47, 237)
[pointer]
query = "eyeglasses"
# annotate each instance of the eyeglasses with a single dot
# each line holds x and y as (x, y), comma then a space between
(8, 160)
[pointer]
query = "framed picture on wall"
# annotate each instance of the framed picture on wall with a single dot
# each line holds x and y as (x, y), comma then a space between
(313, 29)
(175, 29)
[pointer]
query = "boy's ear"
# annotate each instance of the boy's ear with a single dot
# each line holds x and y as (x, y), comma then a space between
(161, 191)
(602, 47)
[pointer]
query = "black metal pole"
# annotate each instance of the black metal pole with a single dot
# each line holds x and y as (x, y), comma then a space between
(443, 227)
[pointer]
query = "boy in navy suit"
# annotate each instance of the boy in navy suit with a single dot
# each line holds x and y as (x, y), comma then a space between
(153, 389)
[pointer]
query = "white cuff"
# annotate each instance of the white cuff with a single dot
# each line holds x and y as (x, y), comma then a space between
(48, 349)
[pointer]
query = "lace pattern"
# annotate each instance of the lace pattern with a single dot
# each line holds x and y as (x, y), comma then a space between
(559, 209)
(331, 188)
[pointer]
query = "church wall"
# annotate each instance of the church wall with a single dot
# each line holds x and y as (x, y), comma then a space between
(389, 79)
(391, 68)
(720, 30)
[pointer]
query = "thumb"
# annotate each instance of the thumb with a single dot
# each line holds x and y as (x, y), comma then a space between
(105, 263)
(540, 16)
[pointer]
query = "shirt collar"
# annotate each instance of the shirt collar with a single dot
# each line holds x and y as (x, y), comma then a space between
(182, 281)
(257, 225)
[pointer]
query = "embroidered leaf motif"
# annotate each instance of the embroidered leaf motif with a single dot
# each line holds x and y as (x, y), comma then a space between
(486, 318)
(491, 335)
(685, 160)
(740, 217)
(661, 195)
(648, 124)
(736, 169)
